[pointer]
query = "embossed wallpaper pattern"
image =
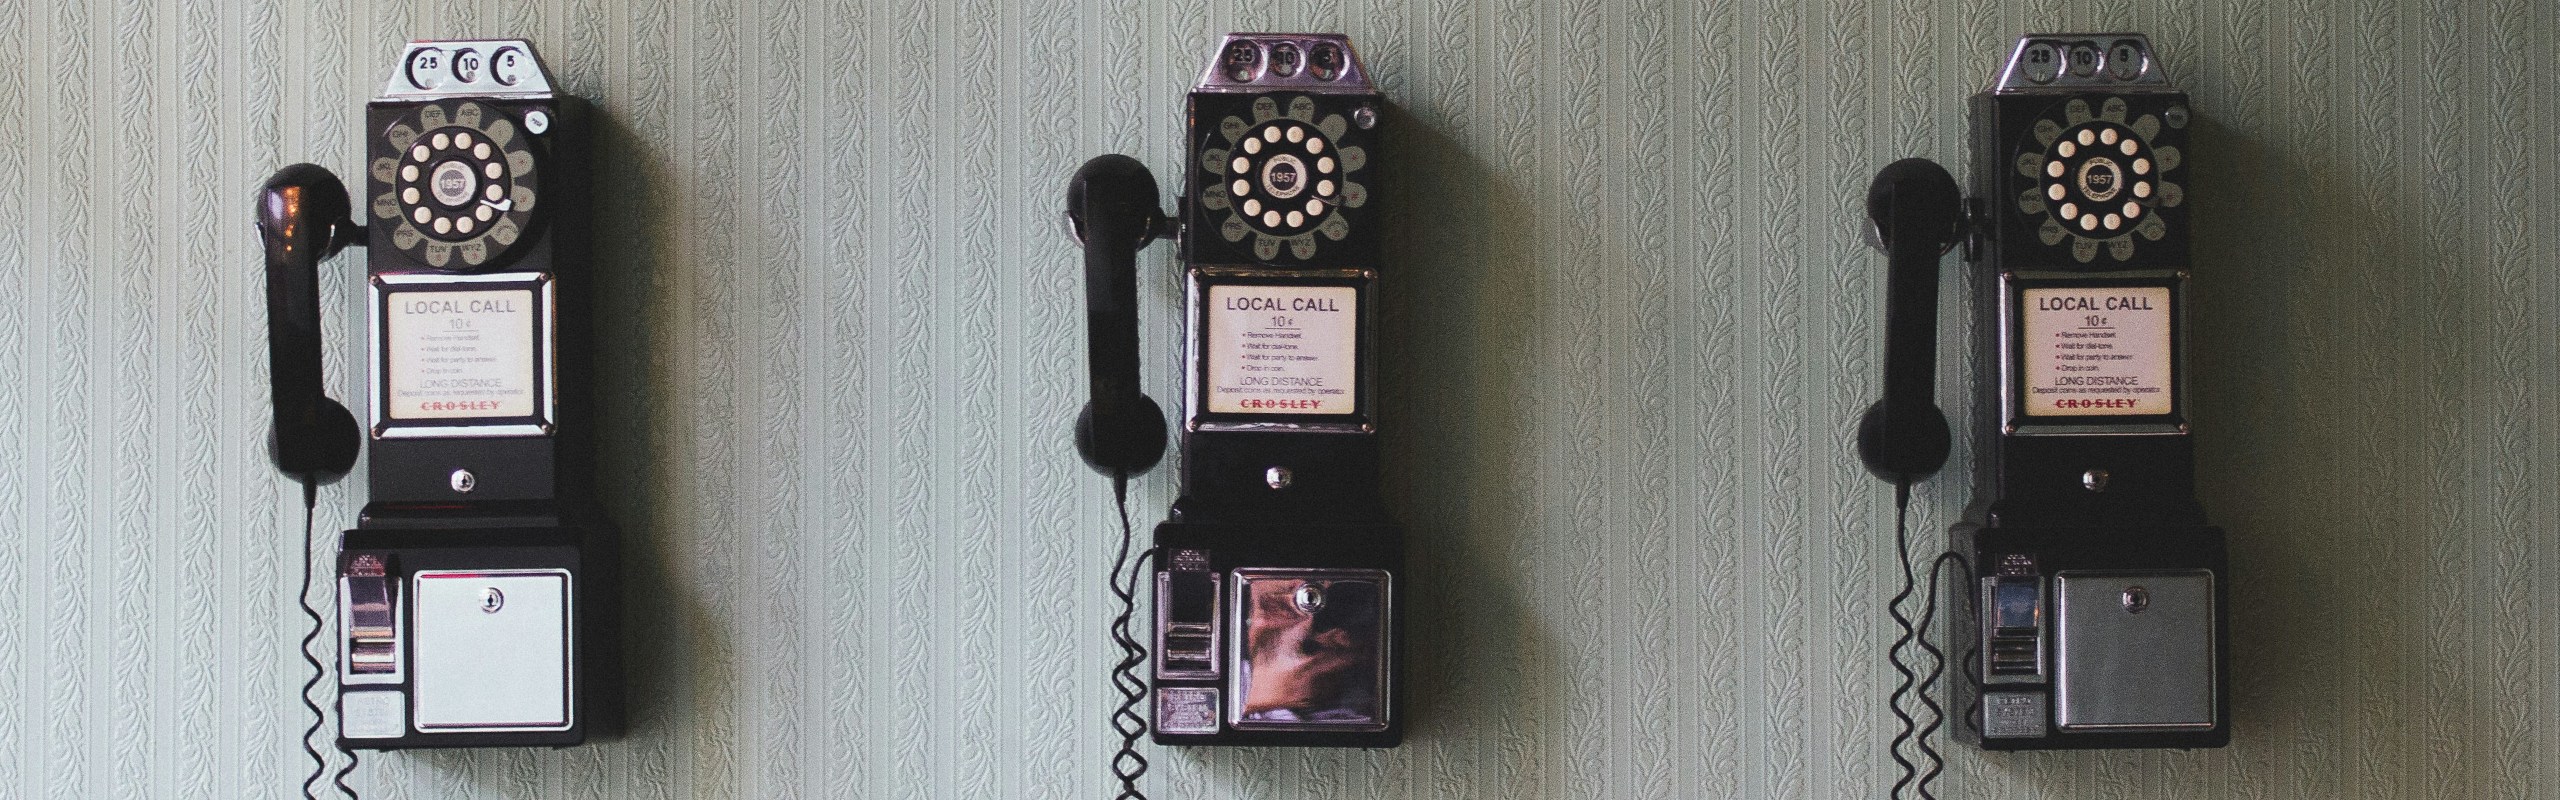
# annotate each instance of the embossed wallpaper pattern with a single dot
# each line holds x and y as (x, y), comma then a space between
(1631, 324)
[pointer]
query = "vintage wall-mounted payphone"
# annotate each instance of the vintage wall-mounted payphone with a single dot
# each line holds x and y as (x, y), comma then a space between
(2093, 613)
(476, 599)
(1274, 579)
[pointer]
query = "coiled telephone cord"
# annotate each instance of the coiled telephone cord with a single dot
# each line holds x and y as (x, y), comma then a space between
(319, 671)
(1914, 776)
(1128, 765)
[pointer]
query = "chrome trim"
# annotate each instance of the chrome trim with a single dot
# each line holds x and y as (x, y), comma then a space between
(2212, 652)
(1235, 682)
(546, 294)
(568, 647)
(1195, 320)
(1354, 78)
(2012, 78)
(454, 76)
(2015, 422)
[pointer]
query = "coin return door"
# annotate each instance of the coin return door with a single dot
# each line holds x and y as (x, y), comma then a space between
(492, 650)
(2134, 651)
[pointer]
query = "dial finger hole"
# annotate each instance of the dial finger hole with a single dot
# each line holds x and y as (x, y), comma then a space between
(444, 225)
(2142, 166)
(493, 170)
(2086, 137)
(2053, 169)
(493, 193)
(1297, 134)
(1315, 207)
(1325, 164)
(462, 141)
(1271, 135)
(480, 151)
(2053, 192)
(1252, 207)
(2142, 189)
(1242, 188)
(1296, 219)
(1252, 146)
(409, 196)
(2112, 222)
(2107, 136)
(1271, 219)
(2132, 210)
(2128, 146)
(1325, 188)
(408, 172)
(463, 224)
(419, 215)
(2070, 210)
(418, 153)
(443, 141)
(1240, 165)
(1315, 144)
(2065, 148)
(2089, 223)
(483, 213)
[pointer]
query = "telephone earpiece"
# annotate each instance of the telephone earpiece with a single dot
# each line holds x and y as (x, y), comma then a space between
(302, 220)
(1916, 211)
(1111, 210)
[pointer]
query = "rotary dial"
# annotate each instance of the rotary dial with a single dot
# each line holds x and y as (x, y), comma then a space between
(1283, 178)
(2097, 180)
(461, 185)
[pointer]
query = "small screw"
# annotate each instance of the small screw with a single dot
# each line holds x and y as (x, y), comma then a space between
(2094, 480)
(491, 600)
(1278, 477)
(463, 481)
(536, 121)
(2136, 599)
(1365, 116)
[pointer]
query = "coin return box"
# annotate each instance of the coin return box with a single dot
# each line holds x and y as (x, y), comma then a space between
(492, 651)
(2134, 651)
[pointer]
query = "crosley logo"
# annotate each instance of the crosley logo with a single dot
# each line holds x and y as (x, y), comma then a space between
(458, 405)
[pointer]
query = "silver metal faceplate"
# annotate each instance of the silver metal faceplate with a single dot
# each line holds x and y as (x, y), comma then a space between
(2072, 63)
(493, 650)
(2134, 651)
(437, 69)
(1269, 68)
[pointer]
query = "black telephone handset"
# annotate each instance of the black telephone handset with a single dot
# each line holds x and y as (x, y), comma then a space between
(1916, 211)
(1111, 209)
(302, 221)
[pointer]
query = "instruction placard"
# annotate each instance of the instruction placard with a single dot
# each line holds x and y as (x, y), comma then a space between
(2100, 351)
(459, 355)
(1283, 349)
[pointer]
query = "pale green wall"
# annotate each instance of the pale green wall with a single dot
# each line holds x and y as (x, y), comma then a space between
(1629, 321)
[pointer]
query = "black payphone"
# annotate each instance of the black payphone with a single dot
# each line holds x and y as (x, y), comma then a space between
(2092, 611)
(475, 597)
(1274, 579)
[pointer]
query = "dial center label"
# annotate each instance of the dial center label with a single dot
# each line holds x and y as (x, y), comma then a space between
(455, 355)
(1283, 349)
(2097, 351)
